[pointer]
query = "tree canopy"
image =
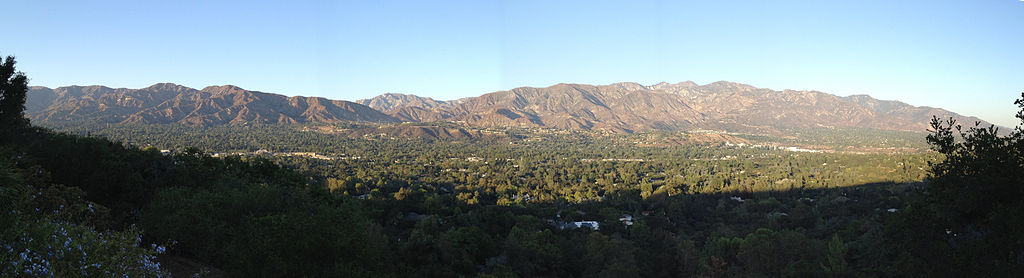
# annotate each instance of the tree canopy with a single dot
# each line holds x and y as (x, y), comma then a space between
(13, 90)
(967, 221)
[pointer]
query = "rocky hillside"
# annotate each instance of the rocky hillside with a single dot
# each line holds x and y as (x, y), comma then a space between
(630, 107)
(390, 102)
(619, 108)
(169, 103)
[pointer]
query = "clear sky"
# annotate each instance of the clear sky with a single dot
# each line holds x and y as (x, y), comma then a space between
(965, 56)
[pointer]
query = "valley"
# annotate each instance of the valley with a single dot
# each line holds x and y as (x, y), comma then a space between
(506, 139)
(568, 180)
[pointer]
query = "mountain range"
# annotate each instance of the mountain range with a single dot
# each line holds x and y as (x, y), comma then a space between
(165, 103)
(618, 108)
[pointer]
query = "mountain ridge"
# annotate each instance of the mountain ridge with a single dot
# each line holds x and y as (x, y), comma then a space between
(623, 107)
(165, 103)
(629, 107)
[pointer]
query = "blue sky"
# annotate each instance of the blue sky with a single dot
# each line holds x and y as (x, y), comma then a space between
(965, 56)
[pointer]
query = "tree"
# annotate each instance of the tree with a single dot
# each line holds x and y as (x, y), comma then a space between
(967, 223)
(983, 171)
(836, 257)
(13, 90)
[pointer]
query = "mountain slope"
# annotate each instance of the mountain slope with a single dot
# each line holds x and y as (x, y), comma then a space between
(169, 103)
(619, 107)
(390, 102)
(628, 107)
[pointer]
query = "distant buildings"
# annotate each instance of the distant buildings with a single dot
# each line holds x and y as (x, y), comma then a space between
(795, 149)
(626, 219)
(593, 225)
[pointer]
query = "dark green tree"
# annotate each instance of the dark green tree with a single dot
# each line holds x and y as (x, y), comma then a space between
(13, 90)
(983, 172)
(836, 257)
(968, 221)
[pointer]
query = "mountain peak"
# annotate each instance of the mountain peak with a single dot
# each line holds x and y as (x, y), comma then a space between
(630, 86)
(223, 89)
(401, 95)
(724, 83)
(389, 102)
(677, 86)
(167, 87)
(729, 86)
(88, 87)
(688, 83)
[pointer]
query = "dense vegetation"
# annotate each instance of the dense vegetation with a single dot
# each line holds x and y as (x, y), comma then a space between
(504, 206)
(498, 208)
(248, 216)
(968, 221)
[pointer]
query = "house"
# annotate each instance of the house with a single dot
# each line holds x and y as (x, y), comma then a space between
(626, 219)
(587, 224)
(593, 225)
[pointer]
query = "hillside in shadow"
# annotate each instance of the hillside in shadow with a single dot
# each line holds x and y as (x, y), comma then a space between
(251, 216)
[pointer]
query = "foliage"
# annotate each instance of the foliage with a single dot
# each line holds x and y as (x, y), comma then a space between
(491, 208)
(13, 90)
(217, 210)
(41, 239)
(539, 168)
(966, 222)
(265, 230)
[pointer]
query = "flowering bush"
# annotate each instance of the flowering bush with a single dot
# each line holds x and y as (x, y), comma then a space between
(43, 248)
(47, 243)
